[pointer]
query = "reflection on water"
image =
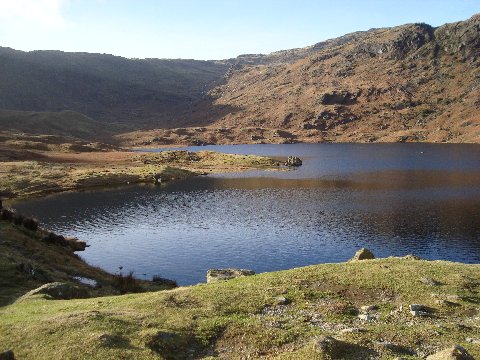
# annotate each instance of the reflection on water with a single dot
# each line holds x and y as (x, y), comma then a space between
(364, 196)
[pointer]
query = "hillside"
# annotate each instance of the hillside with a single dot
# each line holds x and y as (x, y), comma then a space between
(110, 89)
(353, 310)
(407, 83)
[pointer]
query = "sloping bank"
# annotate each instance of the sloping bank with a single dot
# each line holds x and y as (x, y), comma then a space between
(370, 309)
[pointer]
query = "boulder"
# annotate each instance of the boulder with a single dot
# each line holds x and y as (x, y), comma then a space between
(214, 275)
(293, 161)
(7, 355)
(329, 346)
(58, 291)
(456, 352)
(363, 254)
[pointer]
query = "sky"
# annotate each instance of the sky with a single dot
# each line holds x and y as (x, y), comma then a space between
(206, 29)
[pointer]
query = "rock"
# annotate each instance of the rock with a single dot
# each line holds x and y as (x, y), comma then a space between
(157, 178)
(442, 302)
(363, 254)
(419, 310)
(58, 291)
(282, 300)
(368, 308)
(352, 330)
(7, 355)
(366, 317)
(456, 352)
(454, 298)
(214, 275)
(411, 257)
(75, 244)
(472, 341)
(418, 307)
(430, 282)
(293, 161)
(329, 346)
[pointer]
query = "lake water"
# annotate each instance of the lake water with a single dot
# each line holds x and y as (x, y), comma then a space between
(394, 199)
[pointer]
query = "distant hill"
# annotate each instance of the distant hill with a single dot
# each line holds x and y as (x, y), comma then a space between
(407, 83)
(63, 123)
(139, 93)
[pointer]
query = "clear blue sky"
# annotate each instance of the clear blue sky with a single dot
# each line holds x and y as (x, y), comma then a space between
(205, 29)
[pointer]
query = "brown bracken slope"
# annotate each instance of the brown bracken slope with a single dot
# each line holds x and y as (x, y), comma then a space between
(408, 83)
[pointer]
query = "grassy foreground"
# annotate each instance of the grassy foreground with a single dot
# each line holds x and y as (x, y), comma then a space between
(271, 315)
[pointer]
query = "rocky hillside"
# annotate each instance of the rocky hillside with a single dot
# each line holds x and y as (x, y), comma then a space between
(407, 83)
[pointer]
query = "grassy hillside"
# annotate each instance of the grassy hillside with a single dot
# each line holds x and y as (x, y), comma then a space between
(63, 123)
(276, 315)
(105, 87)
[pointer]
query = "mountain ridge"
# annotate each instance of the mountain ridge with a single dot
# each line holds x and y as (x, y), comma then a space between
(413, 82)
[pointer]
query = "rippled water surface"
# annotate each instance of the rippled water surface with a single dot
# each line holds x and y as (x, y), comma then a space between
(394, 199)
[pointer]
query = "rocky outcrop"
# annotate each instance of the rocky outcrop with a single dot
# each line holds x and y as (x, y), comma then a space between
(58, 291)
(363, 254)
(214, 275)
(455, 352)
(293, 161)
(7, 355)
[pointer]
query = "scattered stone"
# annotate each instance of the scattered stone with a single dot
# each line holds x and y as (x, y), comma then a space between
(411, 257)
(328, 345)
(58, 291)
(157, 178)
(366, 317)
(456, 352)
(7, 355)
(293, 161)
(430, 282)
(354, 330)
(442, 302)
(454, 298)
(472, 341)
(418, 307)
(282, 300)
(363, 254)
(419, 310)
(368, 308)
(214, 275)
(331, 348)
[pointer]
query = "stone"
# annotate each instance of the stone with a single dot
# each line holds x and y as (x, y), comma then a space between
(430, 282)
(328, 345)
(157, 178)
(293, 161)
(368, 308)
(472, 341)
(418, 307)
(354, 330)
(58, 291)
(214, 275)
(456, 352)
(7, 355)
(363, 254)
(282, 300)
(366, 317)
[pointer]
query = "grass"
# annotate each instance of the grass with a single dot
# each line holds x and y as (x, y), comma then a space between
(28, 260)
(32, 172)
(241, 318)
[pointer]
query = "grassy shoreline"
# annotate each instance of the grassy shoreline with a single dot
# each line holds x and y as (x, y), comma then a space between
(276, 315)
(51, 172)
